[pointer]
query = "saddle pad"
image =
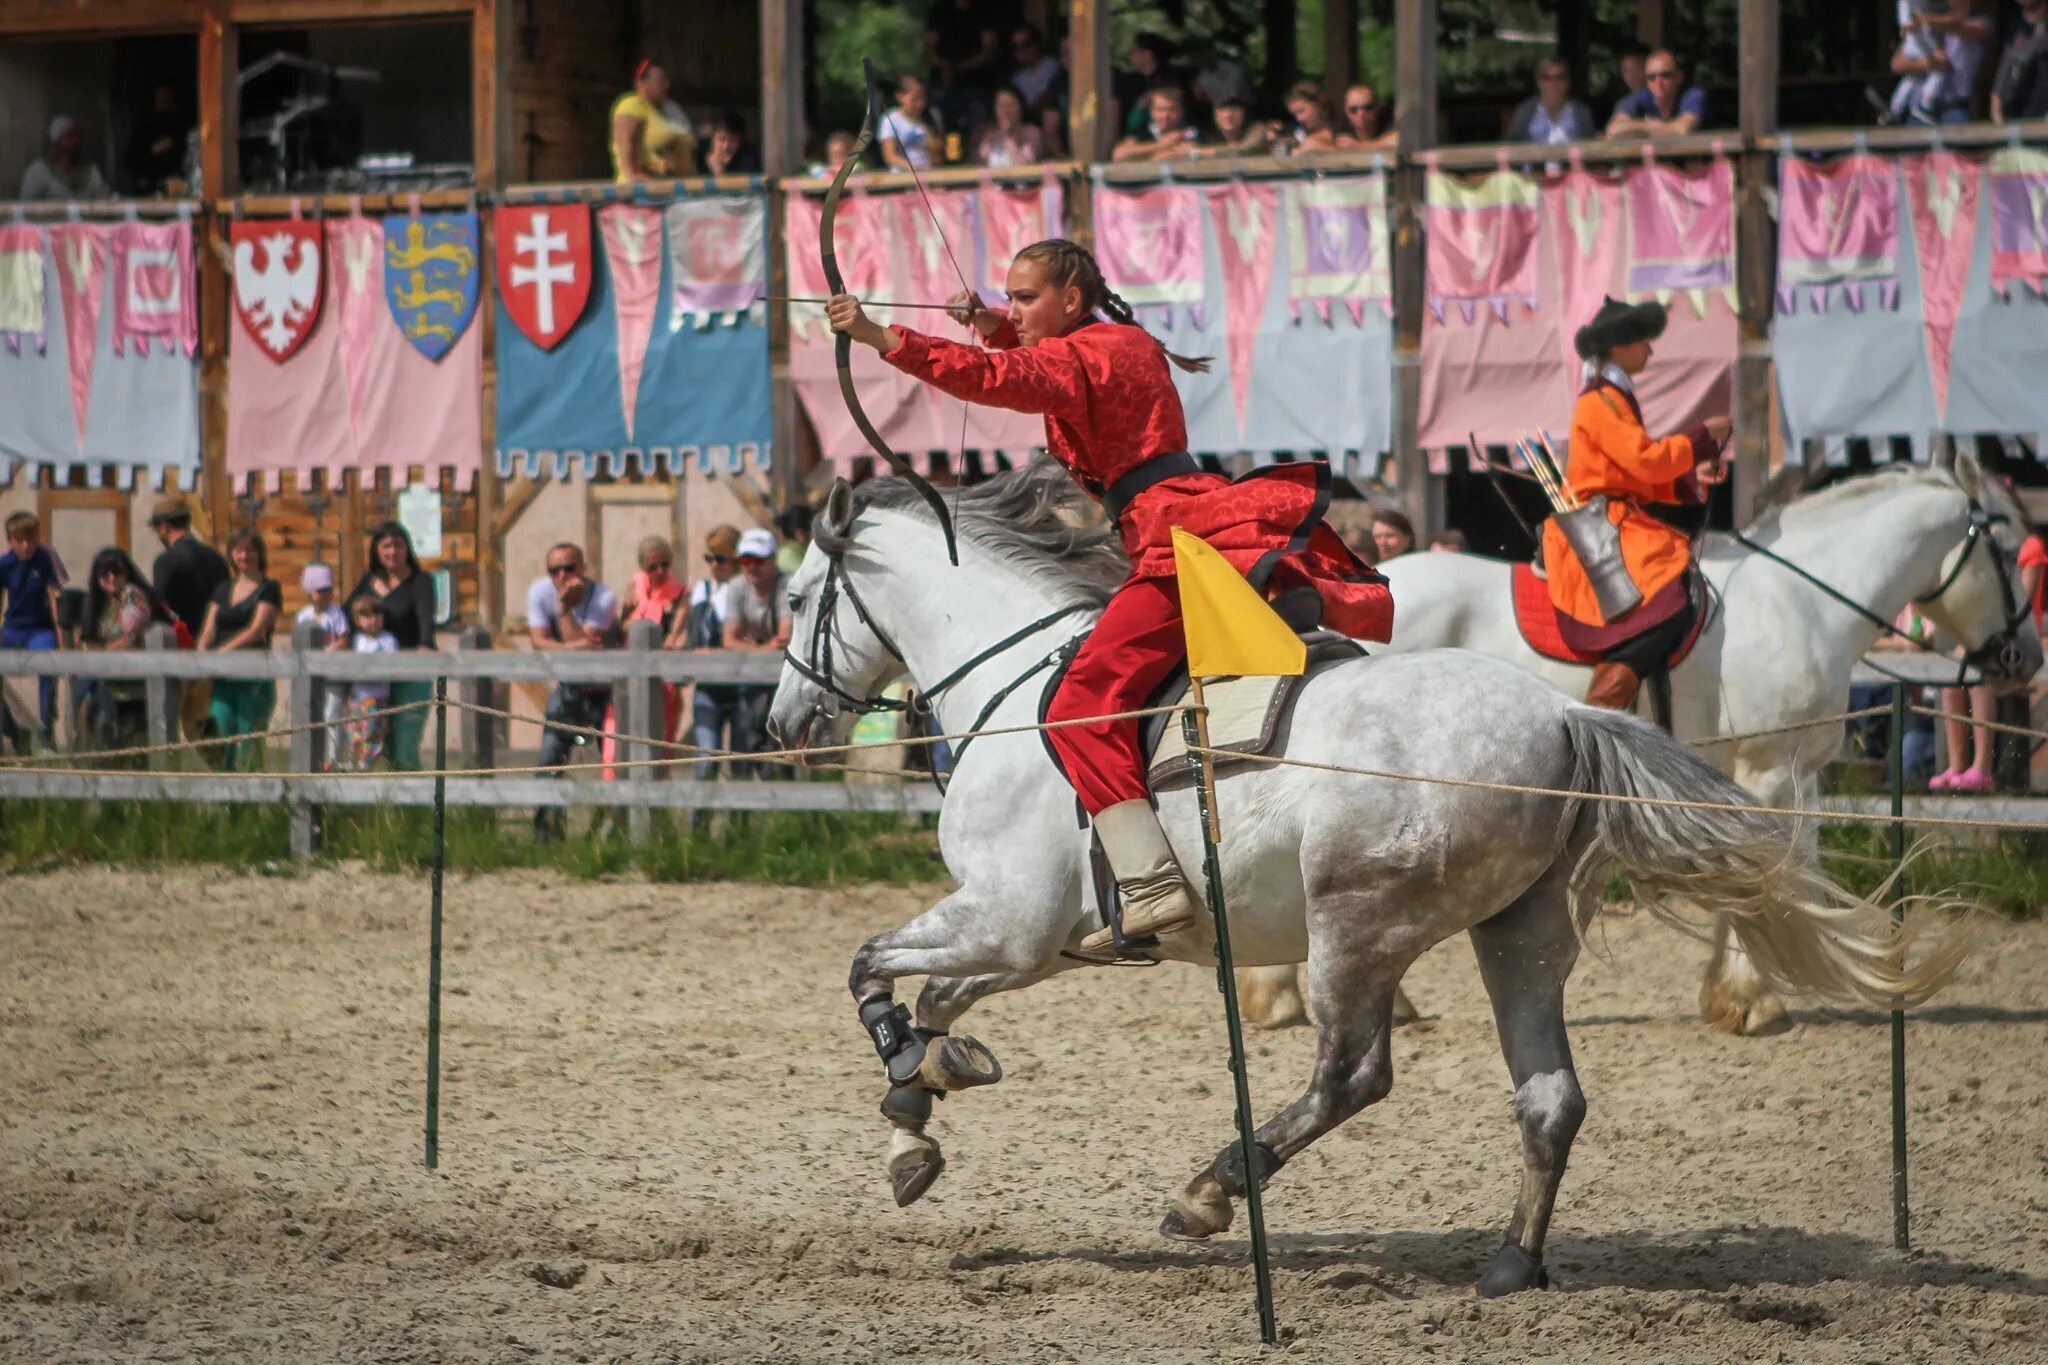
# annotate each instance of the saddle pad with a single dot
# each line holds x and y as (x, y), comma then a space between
(1244, 713)
(1536, 618)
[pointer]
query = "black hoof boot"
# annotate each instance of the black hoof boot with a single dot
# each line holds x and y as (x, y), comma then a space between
(1513, 1270)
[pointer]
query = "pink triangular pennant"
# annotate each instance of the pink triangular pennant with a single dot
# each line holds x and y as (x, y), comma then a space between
(1942, 193)
(81, 258)
(355, 283)
(632, 251)
(1244, 218)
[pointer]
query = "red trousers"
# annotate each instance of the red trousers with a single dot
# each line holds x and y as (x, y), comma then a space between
(1134, 646)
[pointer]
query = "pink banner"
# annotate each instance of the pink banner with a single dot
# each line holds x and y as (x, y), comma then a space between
(1499, 380)
(1482, 243)
(1150, 245)
(632, 251)
(2019, 218)
(80, 250)
(1838, 225)
(1583, 214)
(1941, 192)
(874, 257)
(1012, 219)
(1681, 230)
(357, 394)
(24, 312)
(1243, 217)
(940, 243)
(155, 292)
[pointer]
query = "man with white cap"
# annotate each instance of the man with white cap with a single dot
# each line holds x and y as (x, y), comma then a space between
(61, 175)
(756, 618)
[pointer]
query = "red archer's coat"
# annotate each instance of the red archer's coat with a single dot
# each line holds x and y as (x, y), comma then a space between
(1109, 404)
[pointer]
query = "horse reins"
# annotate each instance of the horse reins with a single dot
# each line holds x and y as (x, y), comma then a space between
(818, 668)
(1981, 522)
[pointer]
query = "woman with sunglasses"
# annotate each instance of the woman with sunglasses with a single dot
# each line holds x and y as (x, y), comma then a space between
(701, 625)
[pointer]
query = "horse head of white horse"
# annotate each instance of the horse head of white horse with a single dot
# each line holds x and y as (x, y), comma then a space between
(1975, 596)
(875, 598)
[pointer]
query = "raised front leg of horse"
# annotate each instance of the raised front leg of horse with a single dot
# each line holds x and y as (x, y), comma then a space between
(1525, 953)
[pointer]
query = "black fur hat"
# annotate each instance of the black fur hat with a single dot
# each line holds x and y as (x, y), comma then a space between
(1618, 324)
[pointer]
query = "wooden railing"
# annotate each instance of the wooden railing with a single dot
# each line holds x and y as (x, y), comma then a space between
(652, 775)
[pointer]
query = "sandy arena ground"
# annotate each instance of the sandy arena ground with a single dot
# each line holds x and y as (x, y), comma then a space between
(660, 1144)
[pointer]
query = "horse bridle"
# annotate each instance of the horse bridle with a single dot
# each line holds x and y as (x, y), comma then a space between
(1997, 653)
(817, 667)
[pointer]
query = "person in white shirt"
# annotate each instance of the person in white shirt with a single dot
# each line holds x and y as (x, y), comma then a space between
(359, 742)
(908, 136)
(63, 174)
(756, 619)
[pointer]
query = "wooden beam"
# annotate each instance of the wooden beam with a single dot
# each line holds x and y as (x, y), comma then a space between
(1415, 120)
(1283, 63)
(1757, 47)
(1652, 22)
(329, 12)
(492, 48)
(95, 18)
(782, 133)
(219, 174)
(1340, 45)
(1088, 120)
(512, 504)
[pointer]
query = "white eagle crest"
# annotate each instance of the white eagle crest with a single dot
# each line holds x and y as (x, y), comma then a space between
(278, 297)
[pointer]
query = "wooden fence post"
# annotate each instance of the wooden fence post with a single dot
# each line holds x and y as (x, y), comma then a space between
(308, 747)
(162, 697)
(479, 732)
(641, 713)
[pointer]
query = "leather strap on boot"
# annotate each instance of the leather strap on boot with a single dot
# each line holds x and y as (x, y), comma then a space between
(1613, 686)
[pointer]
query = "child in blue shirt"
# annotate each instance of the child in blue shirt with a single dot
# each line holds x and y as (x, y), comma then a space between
(31, 576)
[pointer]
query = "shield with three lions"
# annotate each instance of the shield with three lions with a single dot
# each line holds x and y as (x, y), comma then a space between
(431, 277)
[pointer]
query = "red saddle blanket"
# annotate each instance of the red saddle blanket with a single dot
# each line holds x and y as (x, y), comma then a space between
(1537, 619)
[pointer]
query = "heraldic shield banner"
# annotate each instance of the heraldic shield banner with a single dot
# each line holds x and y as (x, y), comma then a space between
(430, 277)
(543, 253)
(278, 269)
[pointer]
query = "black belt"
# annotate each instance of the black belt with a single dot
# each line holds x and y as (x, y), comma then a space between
(1150, 474)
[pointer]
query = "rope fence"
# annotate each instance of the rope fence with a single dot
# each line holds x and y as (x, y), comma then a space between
(692, 756)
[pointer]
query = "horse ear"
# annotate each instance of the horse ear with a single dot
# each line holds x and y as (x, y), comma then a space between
(838, 511)
(1969, 473)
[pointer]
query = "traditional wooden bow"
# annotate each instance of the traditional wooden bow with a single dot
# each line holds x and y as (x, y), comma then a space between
(843, 347)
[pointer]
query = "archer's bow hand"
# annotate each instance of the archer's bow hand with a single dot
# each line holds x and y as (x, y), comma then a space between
(843, 311)
(967, 309)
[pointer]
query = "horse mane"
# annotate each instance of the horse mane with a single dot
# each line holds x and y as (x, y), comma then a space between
(1036, 518)
(1785, 503)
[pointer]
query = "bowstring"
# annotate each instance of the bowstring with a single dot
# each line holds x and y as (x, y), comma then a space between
(960, 447)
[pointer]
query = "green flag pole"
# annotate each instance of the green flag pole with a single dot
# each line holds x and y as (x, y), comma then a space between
(1902, 1237)
(1195, 727)
(434, 924)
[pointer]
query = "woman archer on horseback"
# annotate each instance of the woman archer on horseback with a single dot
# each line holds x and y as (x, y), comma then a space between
(1114, 420)
(1611, 455)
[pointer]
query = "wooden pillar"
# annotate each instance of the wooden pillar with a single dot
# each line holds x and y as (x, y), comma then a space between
(1283, 60)
(219, 118)
(1652, 20)
(1574, 31)
(1089, 34)
(643, 711)
(1757, 44)
(479, 733)
(1415, 119)
(308, 747)
(782, 149)
(1340, 45)
(161, 698)
(492, 51)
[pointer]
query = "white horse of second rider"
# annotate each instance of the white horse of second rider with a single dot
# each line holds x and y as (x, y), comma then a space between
(1776, 653)
(1356, 874)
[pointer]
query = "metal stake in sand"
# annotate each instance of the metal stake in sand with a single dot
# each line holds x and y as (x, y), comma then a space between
(1896, 766)
(1195, 727)
(434, 924)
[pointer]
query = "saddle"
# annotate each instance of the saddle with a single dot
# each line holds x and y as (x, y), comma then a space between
(1244, 713)
(1537, 619)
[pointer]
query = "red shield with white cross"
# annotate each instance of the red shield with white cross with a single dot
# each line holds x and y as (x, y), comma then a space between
(543, 253)
(278, 273)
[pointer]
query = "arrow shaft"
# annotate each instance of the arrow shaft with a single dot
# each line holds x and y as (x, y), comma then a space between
(865, 303)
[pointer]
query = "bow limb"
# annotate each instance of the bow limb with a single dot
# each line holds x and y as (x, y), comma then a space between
(842, 352)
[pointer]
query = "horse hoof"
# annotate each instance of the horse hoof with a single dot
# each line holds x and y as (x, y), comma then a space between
(1513, 1271)
(1404, 1009)
(1727, 1011)
(957, 1064)
(1197, 1214)
(913, 1166)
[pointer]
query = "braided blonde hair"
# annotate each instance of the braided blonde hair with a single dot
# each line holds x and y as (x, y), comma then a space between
(1067, 263)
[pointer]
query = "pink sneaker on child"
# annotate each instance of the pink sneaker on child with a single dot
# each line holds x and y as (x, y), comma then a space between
(1975, 780)
(1945, 781)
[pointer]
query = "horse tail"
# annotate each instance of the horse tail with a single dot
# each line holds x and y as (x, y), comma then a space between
(1804, 931)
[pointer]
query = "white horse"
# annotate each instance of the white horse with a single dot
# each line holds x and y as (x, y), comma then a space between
(1775, 654)
(1357, 875)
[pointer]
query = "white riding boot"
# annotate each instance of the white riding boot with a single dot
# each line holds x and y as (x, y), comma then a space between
(1157, 899)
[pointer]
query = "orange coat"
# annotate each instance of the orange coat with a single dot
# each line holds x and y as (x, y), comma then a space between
(1612, 453)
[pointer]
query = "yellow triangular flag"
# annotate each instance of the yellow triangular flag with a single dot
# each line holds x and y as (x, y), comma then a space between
(1231, 629)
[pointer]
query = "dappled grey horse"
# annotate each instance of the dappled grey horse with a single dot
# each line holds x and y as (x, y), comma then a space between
(1356, 874)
